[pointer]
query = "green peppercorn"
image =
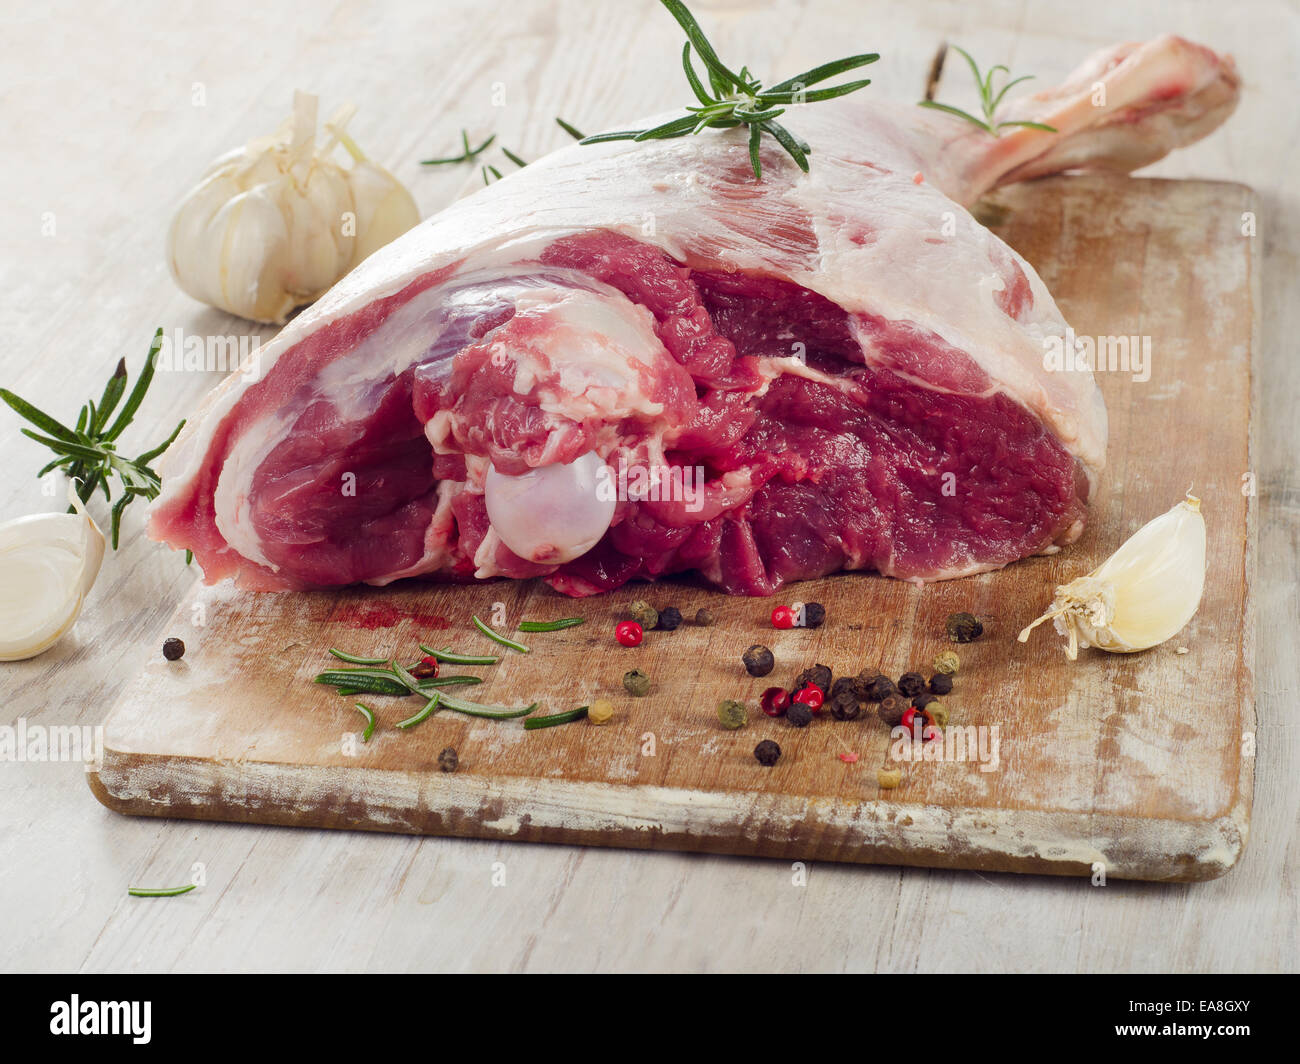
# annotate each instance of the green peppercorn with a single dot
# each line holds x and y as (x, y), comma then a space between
(947, 662)
(845, 706)
(636, 682)
(799, 715)
(964, 628)
(878, 687)
(670, 618)
(448, 761)
(704, 617)
(941, 684)
(758, 660)
(732, 714)
(644, 614)
(767, 753)
(911, 684)
(939, 712)
(891, 709)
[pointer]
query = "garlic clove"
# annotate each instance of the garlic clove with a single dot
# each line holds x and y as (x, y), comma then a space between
(385, 210)
(48, 564)
(1143, 594)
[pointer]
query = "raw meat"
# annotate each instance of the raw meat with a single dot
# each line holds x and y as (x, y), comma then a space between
(844, 368)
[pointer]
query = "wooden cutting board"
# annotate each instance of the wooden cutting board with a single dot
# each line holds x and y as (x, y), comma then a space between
(1132, 766)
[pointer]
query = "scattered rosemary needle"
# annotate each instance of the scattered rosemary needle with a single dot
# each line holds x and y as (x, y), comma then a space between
(88, 453)
(159, 892)
(988, 99)
(424, 714)
(573, 131)
(369, 714)
(499, 638)
(448, 657)
(356, 659)
(513, 157)
(551, 626)
(467, 153)
(490, 169)
(533, 723)
(740, 99)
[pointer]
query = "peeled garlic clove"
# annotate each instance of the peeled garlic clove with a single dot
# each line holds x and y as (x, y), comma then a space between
(273, 225)
(1143, 594)
(48, 564)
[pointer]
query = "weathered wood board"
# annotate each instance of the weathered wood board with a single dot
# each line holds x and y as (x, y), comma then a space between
(1140, 764)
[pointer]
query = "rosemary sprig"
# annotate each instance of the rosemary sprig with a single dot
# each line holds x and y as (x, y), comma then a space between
(467, 153)
(88, 454)
(732, 99)
(989, 99)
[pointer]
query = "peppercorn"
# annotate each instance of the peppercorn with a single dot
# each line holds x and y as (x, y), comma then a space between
(809, 695)
(629, 633)
(775, 701)
(173, 649)
(704, 617)
(732, 714)
(911, 684)
(849, 685)
(878, 687)
(923, 699)
(939, 712)
(845, 706)
(891, 709)
(670, 619)
(927, 729)
(600, 711)
(964, 628)
(947, 662)
(819, 676)
(814, 613)
(644, 614)
(767, 753)
(941, 684)
(758, 660)
(424, 669)
(799, 715)
(636, 682)
(782, 617)
(448, 761)
(889, 778)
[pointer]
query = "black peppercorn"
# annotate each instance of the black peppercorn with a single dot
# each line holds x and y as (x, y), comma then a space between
(670, 618)
(799, 715)
(819, 676)
(448, 761)
(940, 684)
(924, 699)
(814, 613)
(852, 686)
(704, 617)
(964, 628)
(767, 752)
(758, 660)
(845, 706)
(173, 648)
(911, 684)
(878, 687)
(891, 709)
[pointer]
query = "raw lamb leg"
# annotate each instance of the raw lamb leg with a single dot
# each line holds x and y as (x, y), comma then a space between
(838, 370)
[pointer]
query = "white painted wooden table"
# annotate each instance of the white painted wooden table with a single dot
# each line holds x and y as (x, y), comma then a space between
(110, 111)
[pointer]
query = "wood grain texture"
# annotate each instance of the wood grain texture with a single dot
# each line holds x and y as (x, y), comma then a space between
(1130, 763)
(103, 133)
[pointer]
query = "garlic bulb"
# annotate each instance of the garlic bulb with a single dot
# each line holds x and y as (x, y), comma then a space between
(48, 564)
(274, 224)
(1143, 594)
